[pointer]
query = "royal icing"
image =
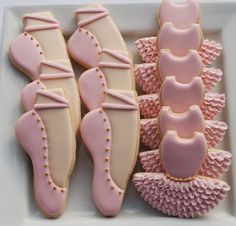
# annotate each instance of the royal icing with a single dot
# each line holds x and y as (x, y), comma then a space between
(115, 138)
(92, 86)
(180, 96)
(150, 133)
(145, 75)
(51, 23)
(96, 19)
(185, 123)
(181, 15)
(179, 41)
(36, 132)
(181, 132)
(52, 105)
(45, 29)
(147, 49)
(28, 94)
(183, 68)
(182, 158)
(26, 52)
(96, 132)
(95, 29)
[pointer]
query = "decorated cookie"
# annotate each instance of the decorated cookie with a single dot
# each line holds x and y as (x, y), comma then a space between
(149, 76)
(40, 53)
(114, 71)
(110, 130)
(185, 39)
(148, 51)
(212, 104)
(151, 130)
(182, 15)
(178, 116)
(47, 131)
(95, 29)
(111, 135)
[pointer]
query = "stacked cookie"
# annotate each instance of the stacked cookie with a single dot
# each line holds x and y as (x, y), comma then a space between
(183, 130)
(47, 130)
(111, 128)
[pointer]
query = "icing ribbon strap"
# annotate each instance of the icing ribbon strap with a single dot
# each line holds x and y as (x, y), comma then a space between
(52, 23)
(99, 13)
(52, 96)
(49, 106)
(61, 102)
(129, 104)
(125, 62)
(66, 72)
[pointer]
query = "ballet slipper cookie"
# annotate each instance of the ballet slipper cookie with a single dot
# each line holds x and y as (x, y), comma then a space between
(40, 53)
(45, 132)
(55, 74)
(114, 72)
(111, 134)
(95, 29)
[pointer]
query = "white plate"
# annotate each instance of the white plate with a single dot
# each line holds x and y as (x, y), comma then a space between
(17, 204)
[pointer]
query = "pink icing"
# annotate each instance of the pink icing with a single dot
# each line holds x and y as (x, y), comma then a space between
(26, 53)
(117, 55)
(183, 68)
(185, 123)
(28, 95)
(99, 13)
(182, 158)
(53, 96)
(145, 75)
(217, 162)
(39, 17)
(181, 96)
(84, 48)
(125, 61)
(182, 199)
(150, 132)
(210, 50)
(113, 65)
(95, 129)
(119, 106)
(180, 41)
(58, 66)
(147, 49)
(92, 85)
(122, 97)
(181, 15)
(212, 104)
(49, 106)
(50, 197)
(53, 23)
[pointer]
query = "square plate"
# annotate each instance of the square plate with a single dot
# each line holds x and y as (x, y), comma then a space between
(135, 20)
